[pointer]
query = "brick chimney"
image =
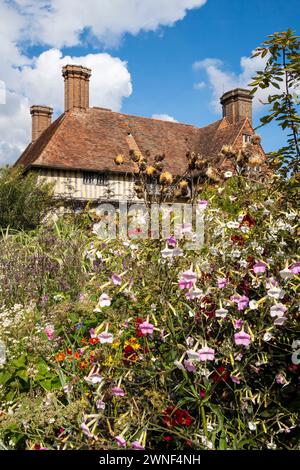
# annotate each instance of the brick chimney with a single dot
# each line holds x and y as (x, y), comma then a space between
(237, 105)
(76, 86)
(41, 119)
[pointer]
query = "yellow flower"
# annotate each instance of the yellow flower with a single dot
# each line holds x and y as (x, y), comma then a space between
(115, 344)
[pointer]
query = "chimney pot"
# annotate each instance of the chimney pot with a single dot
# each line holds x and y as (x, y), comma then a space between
(237, 105)
(41, 119)
(76, 86)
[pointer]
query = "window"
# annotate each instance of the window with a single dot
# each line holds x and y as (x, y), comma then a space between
(100, 179)
(246, 138)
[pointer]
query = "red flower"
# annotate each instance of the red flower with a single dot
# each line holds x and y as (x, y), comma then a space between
(248, 220)
(220, 375)
(168, 438)
(138, 322)
(238, 240)
(94, 340)
(129, 354)
(209, 309)
(176, 417)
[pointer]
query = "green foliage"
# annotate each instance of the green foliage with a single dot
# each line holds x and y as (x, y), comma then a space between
(25, 200)
(282, 71)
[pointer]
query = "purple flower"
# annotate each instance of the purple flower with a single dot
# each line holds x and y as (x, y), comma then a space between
(100, 405)
(189, 366)
(183, 284)
(235, 379)
(117, 281)
(222, 282)
(137, 446)
(206, 354)
(242, 338)
(295, 268)
(238, 324)
(146, 328)
(190, 276)
(106, 337)
(120, 441)
(86, 430)
(242, 301)
(172, 241)
(117, 392)
(259, 267)
(278, 310)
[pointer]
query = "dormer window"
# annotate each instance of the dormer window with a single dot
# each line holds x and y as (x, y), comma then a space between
(246, 138)
(99, 179)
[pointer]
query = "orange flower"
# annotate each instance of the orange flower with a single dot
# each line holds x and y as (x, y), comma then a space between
(84, 340)
(83, 364)
(60, 357)
(94, 341)
(77, 355)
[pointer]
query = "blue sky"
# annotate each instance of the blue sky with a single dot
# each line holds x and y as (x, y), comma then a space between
(152, 57)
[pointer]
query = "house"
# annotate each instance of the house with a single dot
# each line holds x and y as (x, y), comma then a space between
(78, 149)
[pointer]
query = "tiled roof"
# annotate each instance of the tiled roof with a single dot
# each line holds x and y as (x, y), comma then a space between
(90, 139)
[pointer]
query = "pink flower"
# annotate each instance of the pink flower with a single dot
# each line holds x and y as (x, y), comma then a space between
(172, 241)
(206, 354)
(242, 338)
(86, 431)
(222, 282)
(242, 301)
(259, 267)
(137, 446)
(146, 328)
(238, 324)
(202, 204)
(190, 276)
(120, 441)
(189, 366)
(117, 392)
(295, 268)
(183, 284)
(235, 379)
(49, 330)
(278, 310)
(117, 281)
(106, 337)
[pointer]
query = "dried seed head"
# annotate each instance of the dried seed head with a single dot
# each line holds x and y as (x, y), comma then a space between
(119, 159)
(255, 160)
(166, 178)
(183, 184)
(150, 170)
(256, 139)
(212, 174)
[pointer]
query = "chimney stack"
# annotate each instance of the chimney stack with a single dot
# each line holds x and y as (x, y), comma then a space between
(41, 119)
(237, 105)
(76, 86)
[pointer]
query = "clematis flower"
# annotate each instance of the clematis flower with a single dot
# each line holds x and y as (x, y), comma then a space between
(117, 392)
(222, 282)
(242, 338)
(278, 310)
(120, 441)
(146, 328)
(49, 330)
(136, 445)
(106, 337)
(259, 267)
(104, 300)
(206, 354)
(117, 281)
(93, 379)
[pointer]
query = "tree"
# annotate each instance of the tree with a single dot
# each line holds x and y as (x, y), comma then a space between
(282, 71)
(24, 199)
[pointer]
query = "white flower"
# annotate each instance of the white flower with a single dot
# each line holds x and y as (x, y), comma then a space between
(221, 312)
(93, 379)
(232, 224)
(296, 344)
(193, 355)
(286, 273)
(104, 300)
(296, 357)
(179, 365)
(228, 174)
(267, 336)
(276, 293)
(106, 337)
(252, 426)
(253, 305)
(278, 310)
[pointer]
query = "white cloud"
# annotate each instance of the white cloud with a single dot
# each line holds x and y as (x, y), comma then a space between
(222, 80)
(61, 22)
(58, 23)
(199, 85)
(164, 117)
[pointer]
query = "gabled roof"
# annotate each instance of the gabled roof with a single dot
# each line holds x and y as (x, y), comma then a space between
(91, 139)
